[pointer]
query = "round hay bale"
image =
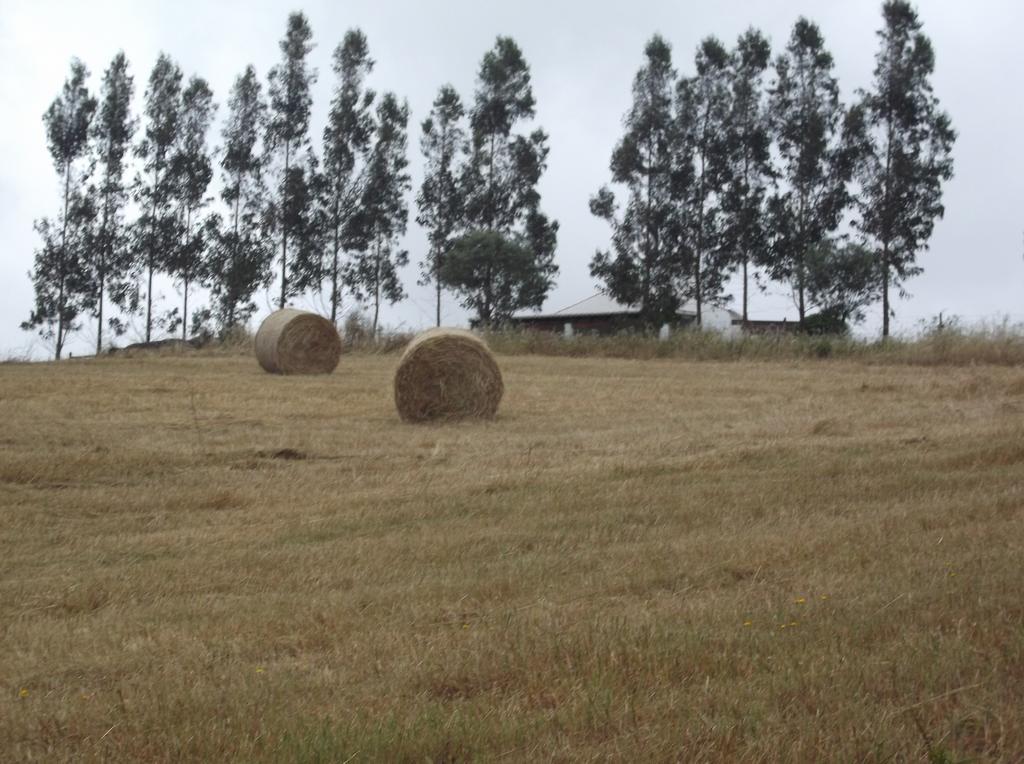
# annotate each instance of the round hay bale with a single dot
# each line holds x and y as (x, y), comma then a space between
(447, 374)
(296, 342)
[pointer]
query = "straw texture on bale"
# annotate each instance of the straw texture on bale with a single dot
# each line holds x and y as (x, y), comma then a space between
(447, 374)
(296, 342)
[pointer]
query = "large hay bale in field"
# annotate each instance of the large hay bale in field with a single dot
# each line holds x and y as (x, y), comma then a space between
(447, 374)
(296, 342)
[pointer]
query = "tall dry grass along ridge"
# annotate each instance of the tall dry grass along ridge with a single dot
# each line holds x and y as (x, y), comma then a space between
(447, 374)
(297, 342)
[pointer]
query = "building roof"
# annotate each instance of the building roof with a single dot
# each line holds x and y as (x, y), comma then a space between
(596, 305)
(602, 304)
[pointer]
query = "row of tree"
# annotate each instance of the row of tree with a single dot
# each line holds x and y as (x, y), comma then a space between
(725, 171)
(327, 222)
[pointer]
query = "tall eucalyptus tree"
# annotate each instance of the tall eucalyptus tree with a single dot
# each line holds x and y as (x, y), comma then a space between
(440, 199)
(240, 260)
(347, 139)
(647, 261)
(287, 135)
(192, 170)
(500, 178)
(112, 133)
(59, 275)
(158, 226)
(811, 129)
(907, 152)
(750, 173)
(383, 211)
(703, 106)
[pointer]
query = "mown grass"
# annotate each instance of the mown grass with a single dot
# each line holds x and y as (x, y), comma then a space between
(798, 560)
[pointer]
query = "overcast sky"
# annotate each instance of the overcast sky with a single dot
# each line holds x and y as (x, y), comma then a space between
(583, 56)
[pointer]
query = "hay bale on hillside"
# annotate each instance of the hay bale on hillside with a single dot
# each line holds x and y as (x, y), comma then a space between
(296, 342)
(447, 374)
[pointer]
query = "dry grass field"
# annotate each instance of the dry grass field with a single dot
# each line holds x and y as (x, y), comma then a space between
(657, 560)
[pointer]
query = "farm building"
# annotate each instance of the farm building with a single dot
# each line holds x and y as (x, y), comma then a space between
(600, 314)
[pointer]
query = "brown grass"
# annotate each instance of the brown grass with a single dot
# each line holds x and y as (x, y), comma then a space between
(637, 561)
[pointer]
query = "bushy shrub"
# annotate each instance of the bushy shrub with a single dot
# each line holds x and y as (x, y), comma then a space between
(828, 321)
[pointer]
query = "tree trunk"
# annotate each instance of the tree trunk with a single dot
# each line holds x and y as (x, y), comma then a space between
(800, 255)
(698, 297)
(743, 234)
(886, 230)
(63, 261)
(700, 236)
(490, 186)
(184, 317)
(485, 313)
(99, 323)
(152, 245)
(696, 291)
(149, 302)
(334, 272)
(102, 273)
(648, 257)
(438, 248)
(234, 259)
(885, 290)
(745, 316)
(284, 229)
(437, 282)
(184, 275)
(801, 277)
(376, 289)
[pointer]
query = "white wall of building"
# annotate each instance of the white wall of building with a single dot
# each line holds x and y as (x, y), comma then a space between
(718, 320)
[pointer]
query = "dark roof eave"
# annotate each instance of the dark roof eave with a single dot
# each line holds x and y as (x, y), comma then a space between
(590, 316)
(556, 317)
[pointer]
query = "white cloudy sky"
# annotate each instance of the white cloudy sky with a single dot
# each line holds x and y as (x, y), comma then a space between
(583, 57)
